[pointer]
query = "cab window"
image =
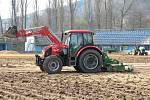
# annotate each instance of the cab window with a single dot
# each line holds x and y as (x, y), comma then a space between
(67, 41)
(76, 42)
(88, 38)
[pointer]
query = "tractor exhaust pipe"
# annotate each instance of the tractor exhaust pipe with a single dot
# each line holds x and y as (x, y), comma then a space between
(11, 32)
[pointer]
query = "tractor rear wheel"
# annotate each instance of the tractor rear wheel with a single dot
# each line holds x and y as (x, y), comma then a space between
(90, 61)
(52, 65)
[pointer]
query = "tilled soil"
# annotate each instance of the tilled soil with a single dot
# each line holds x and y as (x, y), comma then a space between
(131, 58)
(20, 79)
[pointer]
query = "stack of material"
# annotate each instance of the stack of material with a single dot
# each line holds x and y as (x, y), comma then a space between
(8, 52)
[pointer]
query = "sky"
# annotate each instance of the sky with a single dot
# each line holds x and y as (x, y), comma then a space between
(5, 6)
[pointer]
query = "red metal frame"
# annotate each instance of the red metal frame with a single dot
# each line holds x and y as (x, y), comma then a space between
(78, 31)
(40, 31)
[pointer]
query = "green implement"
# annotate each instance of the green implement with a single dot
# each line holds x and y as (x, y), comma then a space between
(113, 65)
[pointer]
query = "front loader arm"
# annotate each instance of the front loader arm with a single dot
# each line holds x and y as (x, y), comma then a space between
(43, 31)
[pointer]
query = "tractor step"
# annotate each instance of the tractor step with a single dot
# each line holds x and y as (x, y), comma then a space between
(72, 61)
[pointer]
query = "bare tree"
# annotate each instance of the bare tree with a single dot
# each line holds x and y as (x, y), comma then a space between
(22, 12)
(140, 18)
(36, 13)
(1, 25)
(124, 10)
(136, 18)
(98, 7)
(61, 15)
(106, 14)
(110, 13)
(25, 13)
(138, 10)
(88, 12)
(72, 9)
(55, 14)
(14, 12)
(49, 13)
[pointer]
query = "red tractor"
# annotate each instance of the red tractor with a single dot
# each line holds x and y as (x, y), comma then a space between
(76, 49)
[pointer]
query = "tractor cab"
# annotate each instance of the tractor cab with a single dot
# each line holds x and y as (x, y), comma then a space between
(77, 39)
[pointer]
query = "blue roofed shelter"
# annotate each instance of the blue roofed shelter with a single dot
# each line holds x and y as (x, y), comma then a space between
(124, 41)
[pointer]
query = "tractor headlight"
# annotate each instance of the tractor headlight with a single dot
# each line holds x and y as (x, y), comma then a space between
(43, 53)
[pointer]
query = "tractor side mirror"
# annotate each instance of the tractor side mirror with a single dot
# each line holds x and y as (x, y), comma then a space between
(62, 36)
(65, 33)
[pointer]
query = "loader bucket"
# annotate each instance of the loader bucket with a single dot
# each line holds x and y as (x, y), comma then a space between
(11, 32)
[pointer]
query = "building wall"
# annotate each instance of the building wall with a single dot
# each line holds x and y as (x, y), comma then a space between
(127, 48)
(5, 46)
(31, 45)
(2, 46)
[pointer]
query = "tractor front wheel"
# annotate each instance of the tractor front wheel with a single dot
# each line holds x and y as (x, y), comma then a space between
(90, 61)
(52, 65)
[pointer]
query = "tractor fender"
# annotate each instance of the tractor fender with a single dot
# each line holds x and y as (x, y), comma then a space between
(86, 48)
(47, 51)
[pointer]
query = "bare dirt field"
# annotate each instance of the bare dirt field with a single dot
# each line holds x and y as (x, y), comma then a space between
(20, 79)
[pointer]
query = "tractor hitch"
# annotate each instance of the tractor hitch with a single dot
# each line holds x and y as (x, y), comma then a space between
(39, 60)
